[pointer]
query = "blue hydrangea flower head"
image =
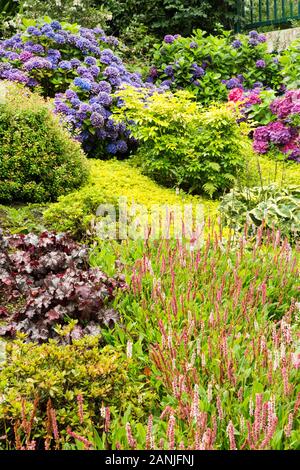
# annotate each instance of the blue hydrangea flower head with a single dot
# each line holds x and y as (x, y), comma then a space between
(82, 83)
(56, 25)
(111, 148)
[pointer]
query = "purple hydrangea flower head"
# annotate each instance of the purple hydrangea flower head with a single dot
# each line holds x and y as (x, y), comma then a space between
(169, 71)
(55, 53)
(12, 55)
(90, 60)
(260, 146)
(104, 86)
(32, 82)
(75, 102)
(279, 133)
(25, 55)
(112, 41)
(71, 94)
(260, 64)
(169, 39)
(262, 38)
(98, 30)
(37, 63)
(34, 31)
(261, 133)
(236, 44)
(166, 83)
(253, 42)
(81, 70)
(95, 70)
(121, 146)
(82, 83)
(253, 35)
(59, 38)
(233, 83)
(35, 48)
(97, 120)
(50, 34)
(111, 72)
(153, 72)
(75, 63)
(104, 98)
(197, 71)
(65, 65)
(61, 107)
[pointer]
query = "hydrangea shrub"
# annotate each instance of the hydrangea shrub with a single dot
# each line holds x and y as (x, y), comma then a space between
(211, 65)
(280, 116)
(79, 68)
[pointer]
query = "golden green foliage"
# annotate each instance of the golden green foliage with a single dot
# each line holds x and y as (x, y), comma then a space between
(202, 150)
(110, 180)
(60, 373)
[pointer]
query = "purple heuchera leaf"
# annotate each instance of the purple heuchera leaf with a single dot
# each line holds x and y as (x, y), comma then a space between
(50, 274)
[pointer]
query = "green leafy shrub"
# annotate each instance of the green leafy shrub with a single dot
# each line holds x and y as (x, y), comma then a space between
(110, 180)
(290, 60)
(38, 159)
(272, 206)
(211, 65)
(83, 12)
(171, 16)
(59, 373)
(199, 150)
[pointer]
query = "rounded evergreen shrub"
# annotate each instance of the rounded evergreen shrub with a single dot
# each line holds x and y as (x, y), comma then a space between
(38, 159)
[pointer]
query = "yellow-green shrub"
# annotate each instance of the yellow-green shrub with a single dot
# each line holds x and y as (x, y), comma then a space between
(109, 180)
(202, 150)
(60, 373)
(38, 159)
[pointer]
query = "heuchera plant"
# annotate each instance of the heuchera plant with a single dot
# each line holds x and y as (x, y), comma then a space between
(46, 280)
(60, 58)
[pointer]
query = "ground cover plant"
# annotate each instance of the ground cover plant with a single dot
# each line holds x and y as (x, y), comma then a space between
(110, 181)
